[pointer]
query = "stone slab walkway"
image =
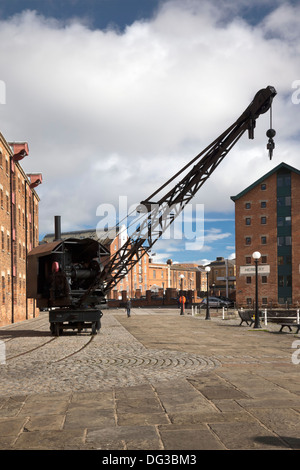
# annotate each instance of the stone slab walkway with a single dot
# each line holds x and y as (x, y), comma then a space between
(154, 381)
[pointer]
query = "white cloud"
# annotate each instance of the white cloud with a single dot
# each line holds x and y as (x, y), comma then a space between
(109, 114)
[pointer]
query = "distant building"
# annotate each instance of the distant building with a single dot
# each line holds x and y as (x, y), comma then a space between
(222, 277)
(19, 225)
(267, 219)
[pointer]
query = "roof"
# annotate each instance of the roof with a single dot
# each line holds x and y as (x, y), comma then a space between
(104, 236)
(47, 248)
(267, 175)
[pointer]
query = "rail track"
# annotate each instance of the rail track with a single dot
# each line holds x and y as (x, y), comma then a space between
(12, 336)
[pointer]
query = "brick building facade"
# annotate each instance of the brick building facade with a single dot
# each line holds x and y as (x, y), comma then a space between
(267, 219)
(19, 225)
(222, 277)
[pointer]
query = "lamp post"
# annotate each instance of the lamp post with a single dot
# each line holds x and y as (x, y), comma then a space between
(181, 294)
(207, 269)
(256, 256)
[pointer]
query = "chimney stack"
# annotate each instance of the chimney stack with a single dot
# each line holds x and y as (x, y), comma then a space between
(57, 225)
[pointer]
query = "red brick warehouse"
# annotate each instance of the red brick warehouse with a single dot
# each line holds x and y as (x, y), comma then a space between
(19, 224)
(267, 219)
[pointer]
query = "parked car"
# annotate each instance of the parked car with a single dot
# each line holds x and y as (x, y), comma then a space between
(230, 301)
(215, 302)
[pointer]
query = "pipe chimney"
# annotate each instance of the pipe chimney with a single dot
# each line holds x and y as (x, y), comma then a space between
(57, 225)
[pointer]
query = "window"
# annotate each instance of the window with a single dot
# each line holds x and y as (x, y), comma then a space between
(263, 220)
(285, 281)
(283, 201)
(280, 241)
(3, 289)
(249, 301)
(248, 259)
(264, 259)
(263, 186)
(248, 220)
(287, 221)
(284, 241)
(263, 240)
(264, 300)
(280, 221)
(248, 280)
(248, 205)
(284, 180)
(264, 279)
(263, 204)
(248, 240)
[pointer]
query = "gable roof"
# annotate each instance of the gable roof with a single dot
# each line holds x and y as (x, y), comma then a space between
(281, 166)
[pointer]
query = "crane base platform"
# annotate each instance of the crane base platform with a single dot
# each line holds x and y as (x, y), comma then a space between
(81, 319)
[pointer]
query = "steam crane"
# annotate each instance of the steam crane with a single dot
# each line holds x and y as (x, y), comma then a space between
(159, 215)
(72, 278)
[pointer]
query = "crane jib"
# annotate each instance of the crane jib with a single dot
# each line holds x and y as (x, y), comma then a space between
(157, 216)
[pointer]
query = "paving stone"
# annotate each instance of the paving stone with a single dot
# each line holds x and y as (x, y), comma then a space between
(51, 440)
(10, 408)
(244, 436)
(269, 403)
(12, 426)
(7, 442)
(219, 392)
(284, 422)
(142, 418)
(102, 398)
(217, 417)
(227, 405)
(190, 439)
(89, 417)
(44, 407)
(45, 423)
(124, 438)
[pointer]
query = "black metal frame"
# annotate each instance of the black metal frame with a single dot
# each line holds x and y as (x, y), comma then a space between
(158, 216)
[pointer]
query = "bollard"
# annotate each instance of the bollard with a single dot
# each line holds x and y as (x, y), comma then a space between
(2, 353)
(223, 313)
(298, 316)
(266, 320)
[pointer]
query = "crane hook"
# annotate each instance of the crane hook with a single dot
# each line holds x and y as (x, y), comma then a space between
(271, 145)
(271, 133)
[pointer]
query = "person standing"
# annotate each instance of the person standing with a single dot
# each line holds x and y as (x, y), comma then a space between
(128, 307)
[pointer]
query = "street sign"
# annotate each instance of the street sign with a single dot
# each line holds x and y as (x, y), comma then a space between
(229, 278)
(249, 270)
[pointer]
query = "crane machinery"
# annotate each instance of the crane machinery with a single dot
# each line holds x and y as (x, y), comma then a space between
(72, 277)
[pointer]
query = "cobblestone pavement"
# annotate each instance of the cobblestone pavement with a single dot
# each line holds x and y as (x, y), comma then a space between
(156, 380)
(71, 362)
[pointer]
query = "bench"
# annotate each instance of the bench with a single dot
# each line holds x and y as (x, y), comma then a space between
(246, 316)
(289, 325)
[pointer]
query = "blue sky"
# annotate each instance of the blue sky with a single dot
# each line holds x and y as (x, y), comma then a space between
(115, 96)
